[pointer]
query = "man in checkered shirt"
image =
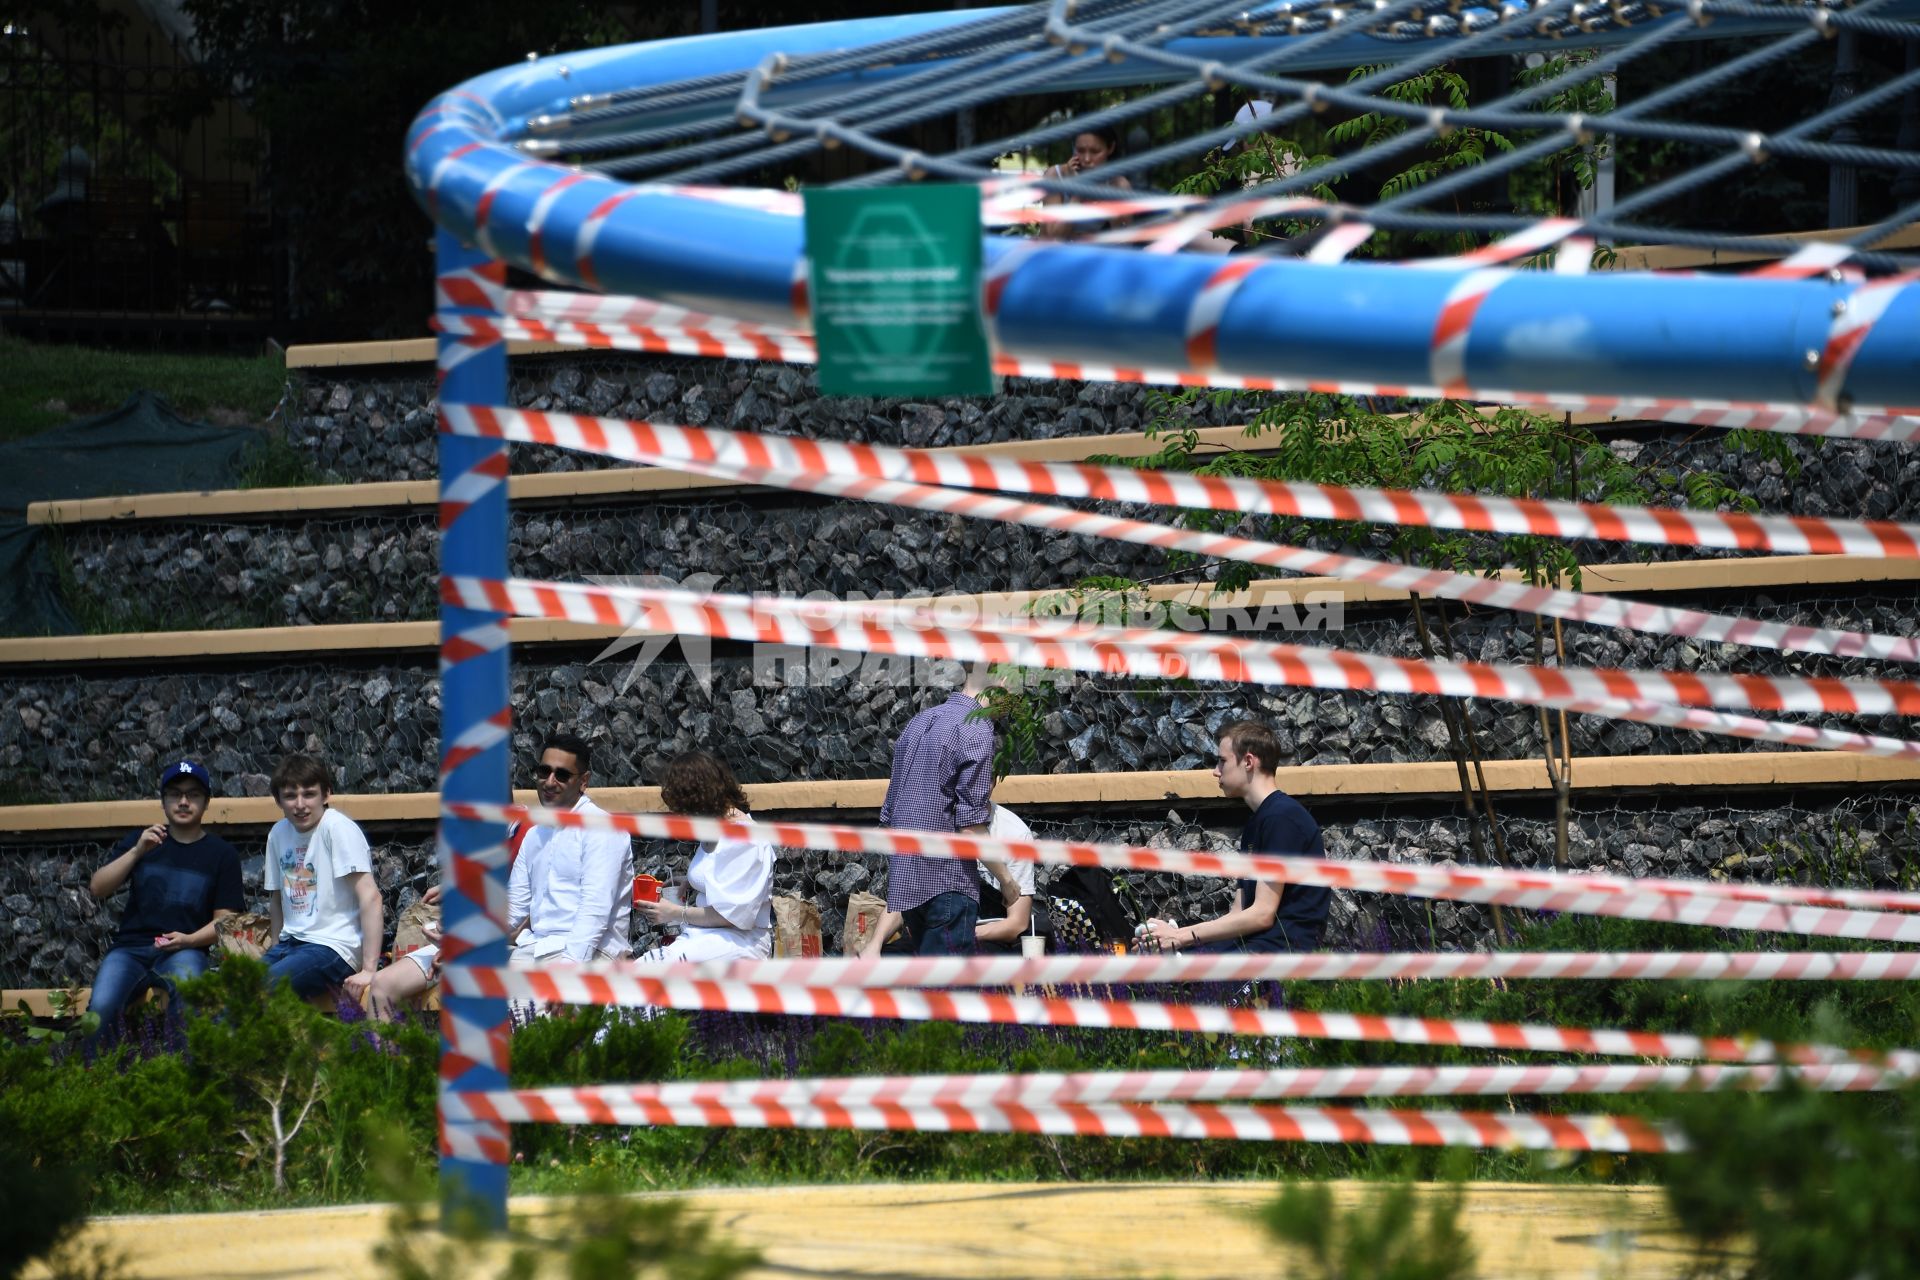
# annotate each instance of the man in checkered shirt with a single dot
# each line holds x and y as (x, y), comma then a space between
(942, 781)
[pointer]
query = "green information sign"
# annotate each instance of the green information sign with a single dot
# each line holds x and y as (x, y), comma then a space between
(894, 281)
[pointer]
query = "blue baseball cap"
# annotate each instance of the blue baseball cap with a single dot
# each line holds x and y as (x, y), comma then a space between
(187, 769)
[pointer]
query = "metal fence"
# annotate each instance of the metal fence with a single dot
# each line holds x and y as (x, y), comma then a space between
(131, 192)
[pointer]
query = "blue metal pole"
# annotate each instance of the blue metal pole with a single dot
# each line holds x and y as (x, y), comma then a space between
(475, 735)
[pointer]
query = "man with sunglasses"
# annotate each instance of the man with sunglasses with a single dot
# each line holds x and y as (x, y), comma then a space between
(571, 888)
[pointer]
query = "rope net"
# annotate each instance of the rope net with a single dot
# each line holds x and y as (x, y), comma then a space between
(1112, 272)
(1562, 101)
(530, 176)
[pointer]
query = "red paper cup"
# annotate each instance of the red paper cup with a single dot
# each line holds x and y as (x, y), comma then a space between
(645, 889)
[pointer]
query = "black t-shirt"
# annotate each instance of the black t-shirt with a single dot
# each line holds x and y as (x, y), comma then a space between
(1282, 825)
(177, 887)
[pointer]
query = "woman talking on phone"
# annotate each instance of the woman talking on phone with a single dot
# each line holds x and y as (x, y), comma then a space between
(1092, 148)
(728, 912)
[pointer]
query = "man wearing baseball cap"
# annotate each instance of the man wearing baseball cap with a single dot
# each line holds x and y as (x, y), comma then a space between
(184, 879)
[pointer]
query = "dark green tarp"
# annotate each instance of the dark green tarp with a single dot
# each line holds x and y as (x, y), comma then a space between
(141, 447)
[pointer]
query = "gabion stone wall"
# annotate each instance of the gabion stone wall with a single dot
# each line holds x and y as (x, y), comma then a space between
(380, 426)
(95, 732)
(88, 734)
(380, 566)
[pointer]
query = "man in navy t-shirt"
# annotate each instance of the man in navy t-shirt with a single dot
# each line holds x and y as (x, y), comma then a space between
(1265, 917)
(184, 879)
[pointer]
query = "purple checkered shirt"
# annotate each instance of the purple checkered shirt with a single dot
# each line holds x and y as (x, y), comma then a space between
(942, 781)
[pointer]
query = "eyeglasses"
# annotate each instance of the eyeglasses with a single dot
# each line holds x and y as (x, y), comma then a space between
(561, 776)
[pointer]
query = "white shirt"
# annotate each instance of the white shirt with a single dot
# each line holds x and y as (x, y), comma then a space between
(735, 878)
(307, 867)
(1006, 825)
(575, 888)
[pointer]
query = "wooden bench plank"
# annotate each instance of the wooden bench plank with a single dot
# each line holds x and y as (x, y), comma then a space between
(1679, 576)
(1436, 778)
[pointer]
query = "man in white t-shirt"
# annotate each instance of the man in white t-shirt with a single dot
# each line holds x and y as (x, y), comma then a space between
(1017, 897)
(571, 888)
(322, 901)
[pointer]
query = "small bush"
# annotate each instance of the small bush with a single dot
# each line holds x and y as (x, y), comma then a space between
(41, 1201)
(270, 1101)
(1395, 1233)
(152, 1129)
(1821, 1185)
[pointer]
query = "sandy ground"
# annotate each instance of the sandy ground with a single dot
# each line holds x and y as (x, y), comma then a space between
(945, 1232)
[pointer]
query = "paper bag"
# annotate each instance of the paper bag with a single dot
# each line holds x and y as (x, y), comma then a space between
(796, 928)
(410, 933)
(863, 917)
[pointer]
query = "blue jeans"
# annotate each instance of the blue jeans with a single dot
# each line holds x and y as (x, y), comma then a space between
(943, 925)
(129, 970)
(308, 967)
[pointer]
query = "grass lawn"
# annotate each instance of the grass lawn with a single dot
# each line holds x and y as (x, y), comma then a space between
(37, 379)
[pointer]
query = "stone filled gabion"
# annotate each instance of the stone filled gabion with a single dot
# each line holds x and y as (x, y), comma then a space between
(372, 427)
(381, 566)
(383, 428)
(831, 716)
(66, 736)
(56, 933)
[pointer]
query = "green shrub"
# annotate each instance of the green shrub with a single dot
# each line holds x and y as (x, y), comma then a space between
(592, 1045)
(41, 1200)
(1821, 1185)
(272, 463)
(1395, 1233)
(171, 1130)
(270, 1102)
(141, 1121)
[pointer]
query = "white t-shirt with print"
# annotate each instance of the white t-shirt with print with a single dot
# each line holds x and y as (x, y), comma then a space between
(1006, 825)
(316, 902)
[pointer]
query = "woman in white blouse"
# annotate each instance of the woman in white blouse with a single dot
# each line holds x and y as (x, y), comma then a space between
(730, 883)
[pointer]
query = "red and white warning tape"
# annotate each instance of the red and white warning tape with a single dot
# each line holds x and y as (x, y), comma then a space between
(1848, 328)
(1020, 206)
(607, 986)
(1008, 202)
(469, 1139)
(1237, 1084)
(1648, 697)
(640, 442)
(747, 341)
(1316, 966)
(1524, 243)
(1340, 240)
(1017, 201)
(1171, 237)
(1573, 606)
(787, 204)
(741, 342)
(962, 469)
(1512, 1131)
(1850, 913)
